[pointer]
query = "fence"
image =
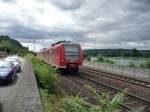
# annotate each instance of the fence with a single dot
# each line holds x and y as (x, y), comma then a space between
(124, 70)
(3, 54)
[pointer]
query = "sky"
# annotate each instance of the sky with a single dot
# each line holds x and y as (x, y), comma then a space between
(95, 24)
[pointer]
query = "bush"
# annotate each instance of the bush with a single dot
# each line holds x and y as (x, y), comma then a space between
(109, 61)
(51, 102)
(142, 65)
(100, 58)
(106, 104)
(45, 74)
(87, 57)
(104, 60)
(131, 64)
(75, 104)
(147, 63)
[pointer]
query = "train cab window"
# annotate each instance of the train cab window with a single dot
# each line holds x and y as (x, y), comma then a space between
(71, 49)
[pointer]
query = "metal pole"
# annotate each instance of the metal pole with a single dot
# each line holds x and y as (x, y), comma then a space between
(105, 67)
(122, 69)
(134, 71)
(34, 45)
(149, 73)
(3, 54)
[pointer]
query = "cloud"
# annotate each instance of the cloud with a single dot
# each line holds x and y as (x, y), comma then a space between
(139, 5)
(8, 1)
(20, 31)
(68, 4)
(115, 25)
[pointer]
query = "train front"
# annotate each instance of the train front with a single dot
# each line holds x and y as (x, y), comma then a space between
(73, 56)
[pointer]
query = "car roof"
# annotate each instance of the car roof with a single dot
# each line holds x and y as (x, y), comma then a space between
(12, 57)
(9, 59)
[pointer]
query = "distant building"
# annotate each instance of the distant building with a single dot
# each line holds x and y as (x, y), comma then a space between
(3, 54)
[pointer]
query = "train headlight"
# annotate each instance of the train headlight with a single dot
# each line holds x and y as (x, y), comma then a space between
(62, 60)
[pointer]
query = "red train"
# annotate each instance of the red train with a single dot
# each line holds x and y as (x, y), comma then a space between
(63, 55)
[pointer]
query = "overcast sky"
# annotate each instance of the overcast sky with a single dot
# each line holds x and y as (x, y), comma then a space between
(92, 23)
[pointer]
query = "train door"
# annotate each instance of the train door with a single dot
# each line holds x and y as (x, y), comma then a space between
(57, 55)
(62, 56)
(81, 57)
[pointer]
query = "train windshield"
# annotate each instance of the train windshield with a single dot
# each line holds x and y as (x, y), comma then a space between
(71, 49)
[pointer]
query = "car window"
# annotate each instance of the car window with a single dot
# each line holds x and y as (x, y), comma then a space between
(5, 65)
(11, 59)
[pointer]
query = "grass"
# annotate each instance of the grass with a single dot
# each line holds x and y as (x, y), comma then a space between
(146, 64)
(131, 64)
(54, 100)
(101, 59)
(47, 79)
(45, 75)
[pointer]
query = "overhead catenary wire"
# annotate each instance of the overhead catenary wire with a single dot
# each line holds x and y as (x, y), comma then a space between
(96, 9)
(33, 43)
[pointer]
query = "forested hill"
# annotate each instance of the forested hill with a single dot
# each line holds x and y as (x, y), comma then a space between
(11, 46)
(118, 52)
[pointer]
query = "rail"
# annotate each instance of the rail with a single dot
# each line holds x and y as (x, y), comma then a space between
(130, 102)
(121, 69)
(82, 83)
(130, 98)
(124, 78)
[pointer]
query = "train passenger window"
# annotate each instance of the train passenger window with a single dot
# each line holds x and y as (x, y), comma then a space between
(50, 52)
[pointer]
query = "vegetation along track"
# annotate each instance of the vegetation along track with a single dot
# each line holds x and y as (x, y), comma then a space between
(130, 101)
(82, 82)
(124, 78)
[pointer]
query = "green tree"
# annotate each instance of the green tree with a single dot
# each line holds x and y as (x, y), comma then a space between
(136, 53)
(100, 58)
(87, 57)
(11, 46)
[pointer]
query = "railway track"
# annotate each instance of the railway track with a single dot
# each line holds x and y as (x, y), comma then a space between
(124, 78)
(130, 101)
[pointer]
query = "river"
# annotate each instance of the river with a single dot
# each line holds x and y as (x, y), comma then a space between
(127, 61)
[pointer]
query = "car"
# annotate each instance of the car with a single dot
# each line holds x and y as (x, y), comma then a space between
(15, 61)
(8, 72)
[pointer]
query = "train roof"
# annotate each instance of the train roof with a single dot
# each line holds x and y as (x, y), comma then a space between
(57, 44)
(61, 42)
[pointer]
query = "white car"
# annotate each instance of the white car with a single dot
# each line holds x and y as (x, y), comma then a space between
(15, 61)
